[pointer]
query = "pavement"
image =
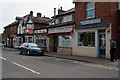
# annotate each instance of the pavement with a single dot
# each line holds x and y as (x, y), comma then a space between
(91, 60)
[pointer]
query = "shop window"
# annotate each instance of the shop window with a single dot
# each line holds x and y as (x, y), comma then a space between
(86, 39)
(90, 10)
(41, 41)
(65, 41)
(28, 39)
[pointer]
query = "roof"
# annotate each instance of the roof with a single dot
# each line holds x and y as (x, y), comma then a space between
(40, 20)
(67, 12)
(14, 23)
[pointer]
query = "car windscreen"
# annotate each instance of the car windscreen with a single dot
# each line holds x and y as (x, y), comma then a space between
(32, 45)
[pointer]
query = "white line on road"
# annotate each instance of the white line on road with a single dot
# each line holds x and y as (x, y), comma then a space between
(25, 68)
(3, 58)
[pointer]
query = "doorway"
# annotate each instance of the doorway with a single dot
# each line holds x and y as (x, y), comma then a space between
(101, 43)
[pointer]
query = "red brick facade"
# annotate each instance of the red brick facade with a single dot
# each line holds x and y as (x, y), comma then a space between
(107, 11)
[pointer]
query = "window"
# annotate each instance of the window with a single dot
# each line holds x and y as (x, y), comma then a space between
(29, 39)
(90, 10)
(41, 41)
(65, 41)
(86, 39)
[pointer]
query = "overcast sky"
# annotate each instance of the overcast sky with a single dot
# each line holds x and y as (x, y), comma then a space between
(9, 9)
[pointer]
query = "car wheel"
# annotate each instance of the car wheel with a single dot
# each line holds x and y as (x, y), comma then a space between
(28, 53)
(20, 52)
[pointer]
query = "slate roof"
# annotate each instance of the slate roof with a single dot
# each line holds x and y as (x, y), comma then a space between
(40, 20)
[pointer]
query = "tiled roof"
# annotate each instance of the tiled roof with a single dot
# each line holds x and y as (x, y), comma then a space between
(40, 20)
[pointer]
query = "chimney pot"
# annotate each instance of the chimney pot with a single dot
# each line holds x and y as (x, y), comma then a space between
(39, 15)
(31, 13)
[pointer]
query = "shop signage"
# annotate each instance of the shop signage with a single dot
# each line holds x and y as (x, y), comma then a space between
(41, 31)
(60, 29)
(93, 21)
(30, 31)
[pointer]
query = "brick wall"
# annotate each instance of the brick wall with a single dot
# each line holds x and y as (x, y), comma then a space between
(37, 26)
(105, 10)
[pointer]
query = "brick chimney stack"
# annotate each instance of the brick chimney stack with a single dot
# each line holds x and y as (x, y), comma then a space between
(39, 15)
(31, 13)
(60, 10)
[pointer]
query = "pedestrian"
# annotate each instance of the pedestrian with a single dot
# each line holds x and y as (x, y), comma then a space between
(112, 50)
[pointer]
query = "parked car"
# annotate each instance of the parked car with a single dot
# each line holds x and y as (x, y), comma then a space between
(1, 45)
(31, 49)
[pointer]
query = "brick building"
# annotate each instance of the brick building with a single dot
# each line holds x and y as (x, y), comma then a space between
(28, 24)
(9, 34)
(60, 32)
(95, 24)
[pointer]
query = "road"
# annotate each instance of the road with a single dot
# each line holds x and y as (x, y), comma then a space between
(15, 65)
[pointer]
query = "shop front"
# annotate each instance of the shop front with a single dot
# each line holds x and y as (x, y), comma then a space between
(93, 40)
(41, 38)
(60, 40)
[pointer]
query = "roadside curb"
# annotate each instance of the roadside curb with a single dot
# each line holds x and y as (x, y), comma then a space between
(11, 49)
(67, 58)
(106, 64)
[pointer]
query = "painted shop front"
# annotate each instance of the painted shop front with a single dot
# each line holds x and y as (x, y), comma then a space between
(41, 38)
(60, 40)
(92, 40)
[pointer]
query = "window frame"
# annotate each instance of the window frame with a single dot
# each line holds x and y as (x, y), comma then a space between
(79, 38)
(89, 9)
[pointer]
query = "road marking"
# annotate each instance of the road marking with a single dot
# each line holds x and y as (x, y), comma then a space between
(3, 58)
(26, 68)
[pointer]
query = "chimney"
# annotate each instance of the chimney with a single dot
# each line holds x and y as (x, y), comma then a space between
(60, 10)
(54, 15)
(39, 15)
(31, 13)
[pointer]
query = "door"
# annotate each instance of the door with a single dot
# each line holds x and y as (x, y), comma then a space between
(55, 43)
(102, 44)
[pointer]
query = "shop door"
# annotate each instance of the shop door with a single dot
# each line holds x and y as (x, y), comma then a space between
(102, 44)
(55, 43)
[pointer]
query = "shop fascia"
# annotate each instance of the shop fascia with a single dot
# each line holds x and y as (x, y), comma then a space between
(41, 31)
(93, 21)
(60, 29)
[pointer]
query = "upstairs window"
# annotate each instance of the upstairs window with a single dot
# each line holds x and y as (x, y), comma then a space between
(90, 10)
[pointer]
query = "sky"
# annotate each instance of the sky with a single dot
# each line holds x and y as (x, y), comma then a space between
(9, 9)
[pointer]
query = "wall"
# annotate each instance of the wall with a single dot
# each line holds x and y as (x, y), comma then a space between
(92, 51)
(37, 26)
(108, 13)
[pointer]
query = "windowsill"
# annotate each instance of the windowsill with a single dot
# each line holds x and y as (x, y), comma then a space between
(85, 47)
(90, 17)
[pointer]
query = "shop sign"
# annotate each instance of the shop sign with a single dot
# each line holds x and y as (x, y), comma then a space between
(11, 36)
(41, 31)
(65, 41)
(60, 29)
(30, 31)
(93, 21)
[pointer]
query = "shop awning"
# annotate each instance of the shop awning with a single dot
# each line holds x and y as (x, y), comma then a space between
(93, 26)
